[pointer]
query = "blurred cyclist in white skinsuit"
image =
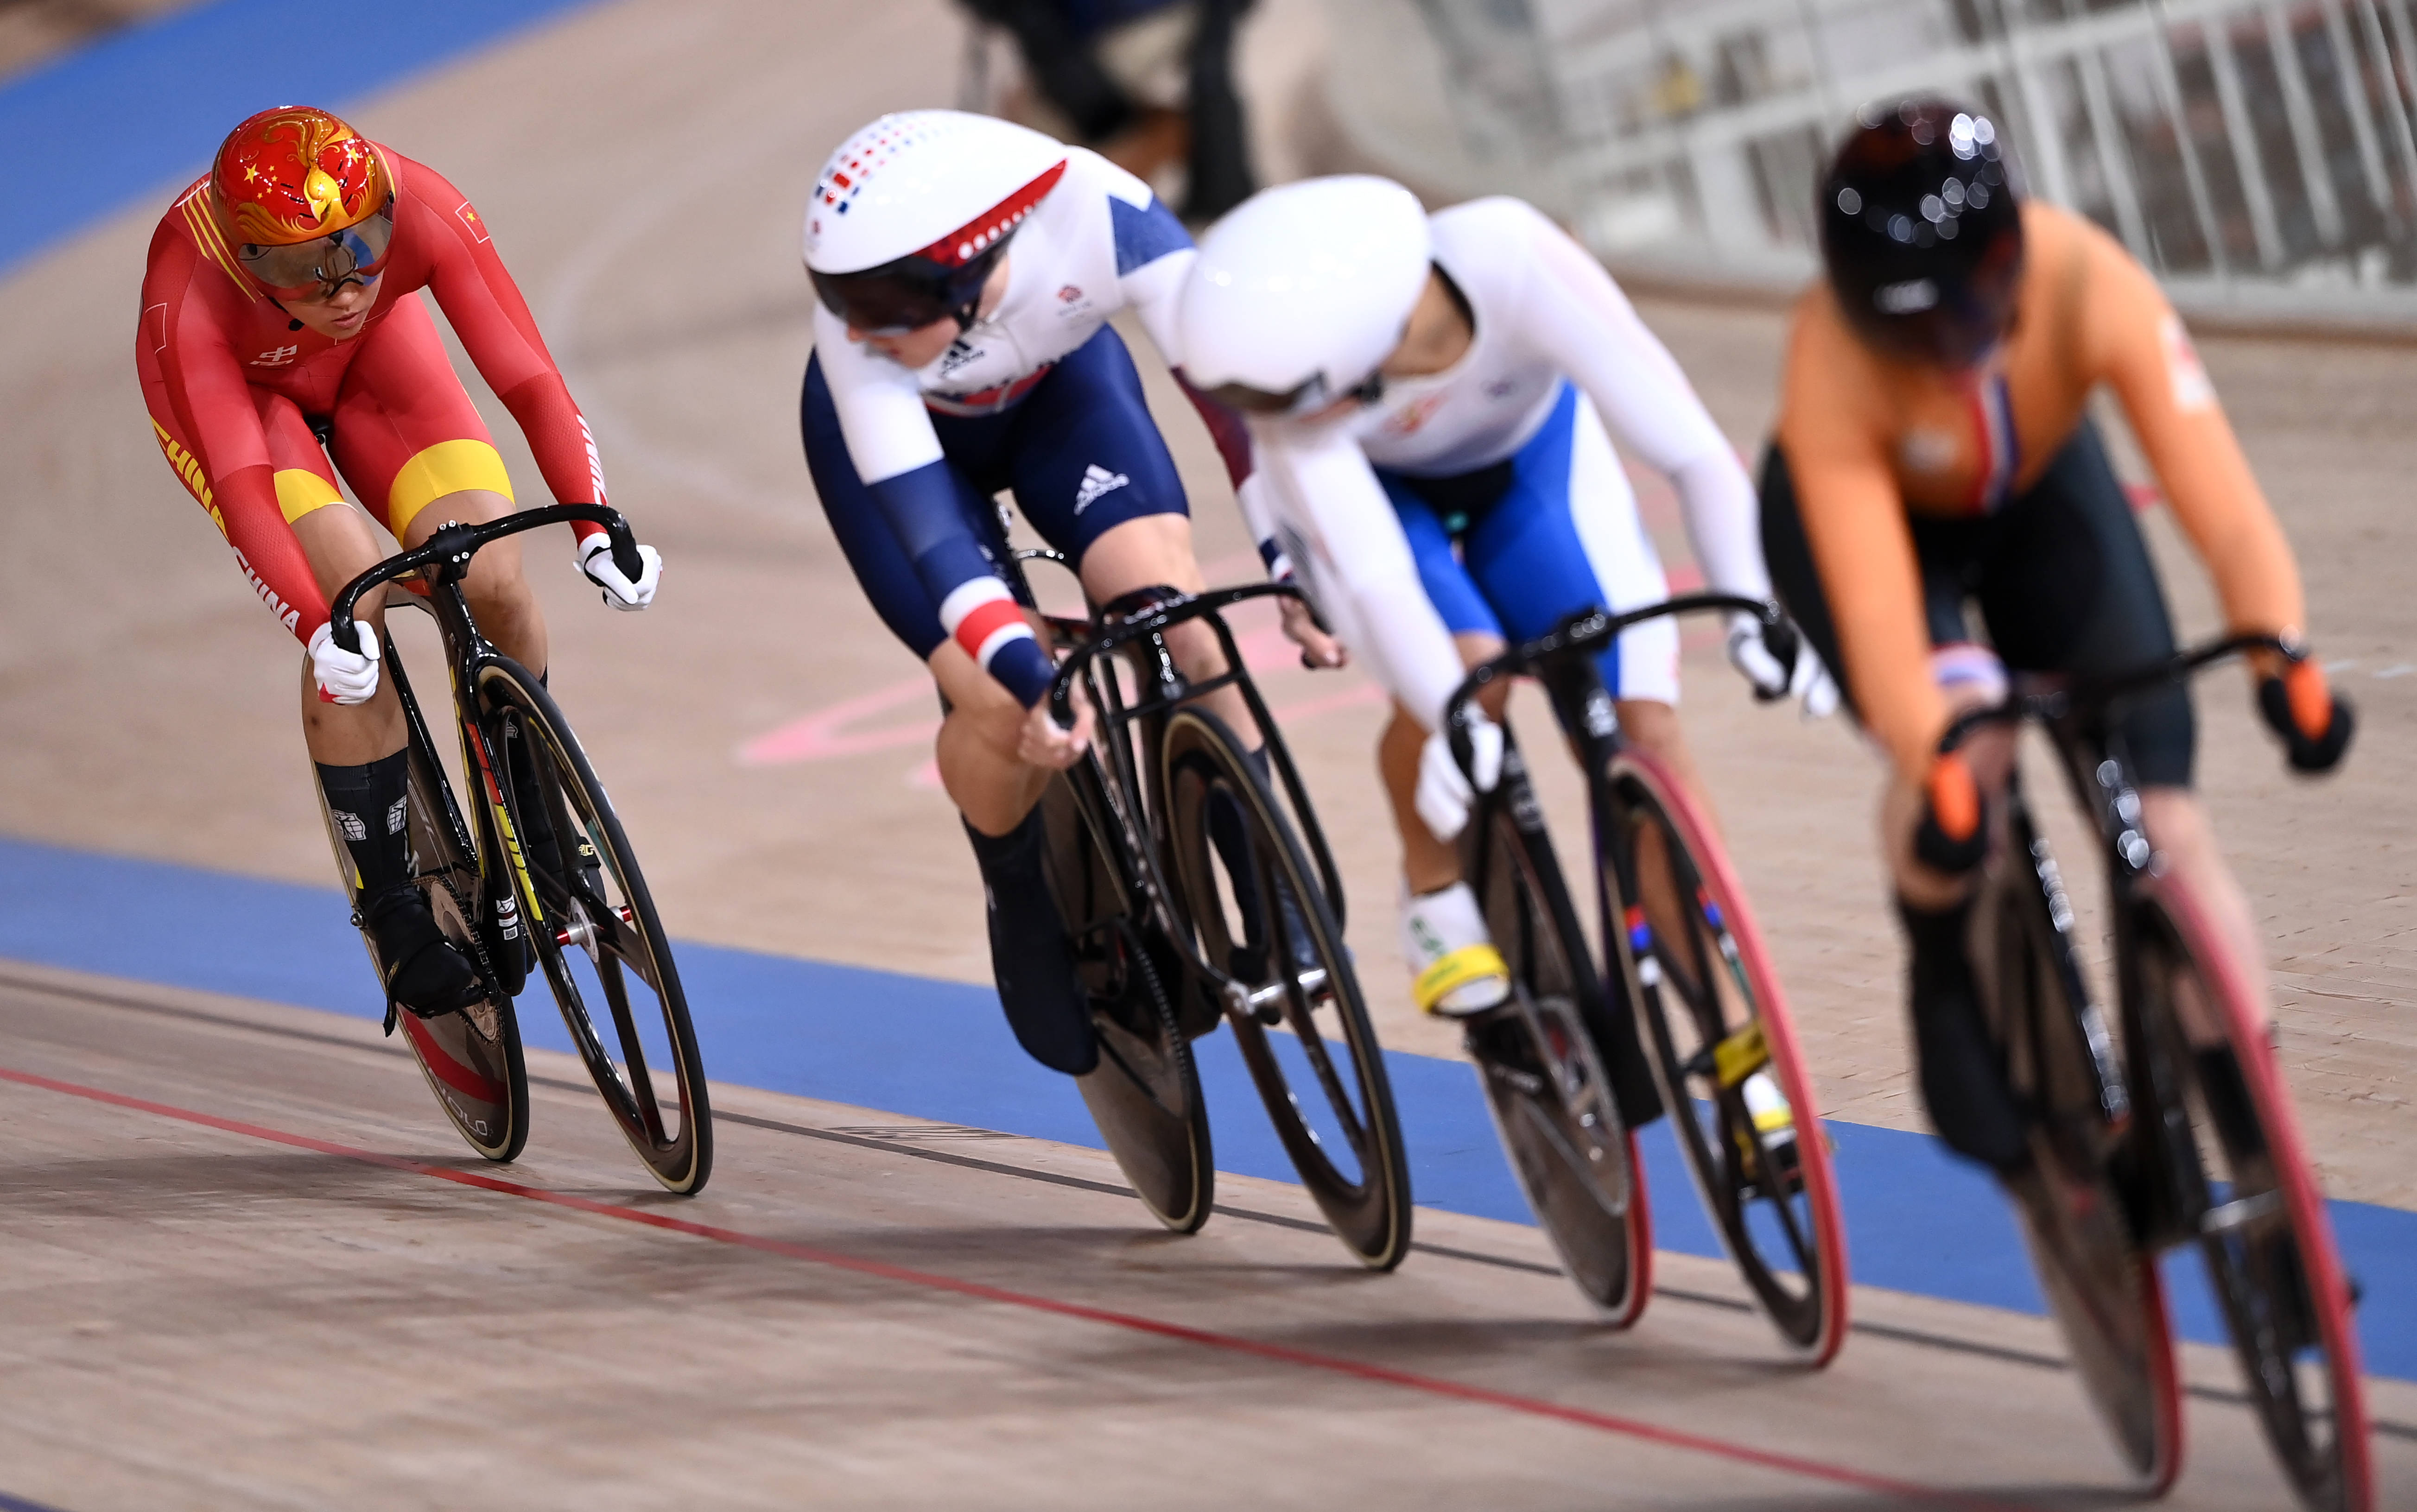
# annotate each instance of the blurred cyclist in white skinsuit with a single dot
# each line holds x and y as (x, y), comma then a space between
(1429, 398)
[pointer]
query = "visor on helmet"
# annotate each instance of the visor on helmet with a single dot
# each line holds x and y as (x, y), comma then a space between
(1306, 398)
(316, 268)
(907, 294)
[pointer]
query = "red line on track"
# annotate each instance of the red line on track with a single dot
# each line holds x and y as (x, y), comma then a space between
(1230, 1343)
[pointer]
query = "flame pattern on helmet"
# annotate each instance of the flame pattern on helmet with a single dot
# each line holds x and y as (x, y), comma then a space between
(294, 173)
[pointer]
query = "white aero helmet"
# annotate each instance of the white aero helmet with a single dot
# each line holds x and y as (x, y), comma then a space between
(911, 213)
(1301, 291)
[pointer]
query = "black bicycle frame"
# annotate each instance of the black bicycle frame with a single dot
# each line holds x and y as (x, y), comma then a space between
(1108, 808)
(437, 566)
(1560, 661)
(2077, 718)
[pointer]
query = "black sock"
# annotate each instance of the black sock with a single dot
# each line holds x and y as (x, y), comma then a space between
(1963, 1077)
(537, 821)
(1030, 955)
(1226, 833)
(371, 809)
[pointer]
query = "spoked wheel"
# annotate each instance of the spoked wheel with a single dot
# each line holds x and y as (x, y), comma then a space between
(587, 909)
(2230, 1141)
(1261, 912)
(1145, 1093)
(1725, 1052)
(472, 1057)
(1543, 1073)
(2099, 1280)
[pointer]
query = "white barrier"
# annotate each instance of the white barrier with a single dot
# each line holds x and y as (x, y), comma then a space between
(2258, 154)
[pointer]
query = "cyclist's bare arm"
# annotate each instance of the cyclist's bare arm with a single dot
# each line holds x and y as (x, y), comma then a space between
(2139, 347)
(1854, 516)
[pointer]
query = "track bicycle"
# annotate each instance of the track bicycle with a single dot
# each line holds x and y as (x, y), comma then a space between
(545, 879)
(1198, 888)
(1567, 1074)
(2171, 1128)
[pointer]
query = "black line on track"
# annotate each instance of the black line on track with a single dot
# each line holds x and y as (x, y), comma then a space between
(1896, 1334)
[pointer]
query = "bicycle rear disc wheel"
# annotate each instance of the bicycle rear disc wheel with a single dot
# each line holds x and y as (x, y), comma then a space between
(1714, 1017)
(1145, 1093)
(2101, 1281)
(1542, 1074)
(597, 939)
(472, 1057)
(2262, 1226)
(1272, 925)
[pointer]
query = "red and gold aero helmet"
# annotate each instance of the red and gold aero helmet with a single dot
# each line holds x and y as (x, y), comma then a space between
(306, 201)
(294, 173)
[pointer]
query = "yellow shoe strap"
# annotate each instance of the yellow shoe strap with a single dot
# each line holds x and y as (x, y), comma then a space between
(1455, 971)
(1740, 1055)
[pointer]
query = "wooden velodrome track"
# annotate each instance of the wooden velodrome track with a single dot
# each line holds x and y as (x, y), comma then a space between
(243, 1266)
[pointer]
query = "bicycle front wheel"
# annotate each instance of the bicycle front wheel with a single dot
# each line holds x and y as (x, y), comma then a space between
(472, 1057)
(1543, 1073)
(2099, 1276)
(1262, 913)
(597, 937)
(1145, 1093)
(1695, 965)
(2231, 1141)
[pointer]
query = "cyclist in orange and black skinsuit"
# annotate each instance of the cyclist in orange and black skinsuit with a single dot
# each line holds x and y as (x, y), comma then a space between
(279, 344)
(1934, 447)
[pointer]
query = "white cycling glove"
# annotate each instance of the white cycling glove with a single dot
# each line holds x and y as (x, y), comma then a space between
(1808, 680)
(1445, 793)
(596, 561)
(345, 676)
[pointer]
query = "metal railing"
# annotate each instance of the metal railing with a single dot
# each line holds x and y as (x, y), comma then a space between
(2258, 155)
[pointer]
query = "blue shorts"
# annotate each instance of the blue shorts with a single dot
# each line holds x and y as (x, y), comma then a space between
(1547, 532)
(1080, 453)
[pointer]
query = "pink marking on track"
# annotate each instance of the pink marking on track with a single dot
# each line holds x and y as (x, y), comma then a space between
(1357, 697)
(824, 734)
(1774, 1460)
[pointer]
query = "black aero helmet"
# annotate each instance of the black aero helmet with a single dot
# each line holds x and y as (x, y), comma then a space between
(1922, 230)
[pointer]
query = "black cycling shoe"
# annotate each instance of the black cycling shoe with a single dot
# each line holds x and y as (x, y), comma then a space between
(424, 970)
(538, 844)
(1250, 962)
(1963, 1076)
(1030, 958)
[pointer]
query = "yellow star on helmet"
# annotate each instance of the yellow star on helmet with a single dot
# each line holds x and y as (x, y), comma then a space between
(251, 171)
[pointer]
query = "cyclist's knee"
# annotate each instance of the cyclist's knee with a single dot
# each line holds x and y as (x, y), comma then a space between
(1138, 553)
(1654, 726)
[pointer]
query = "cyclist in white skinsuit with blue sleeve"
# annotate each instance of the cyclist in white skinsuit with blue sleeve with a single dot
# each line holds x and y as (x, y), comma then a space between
(1432, 403)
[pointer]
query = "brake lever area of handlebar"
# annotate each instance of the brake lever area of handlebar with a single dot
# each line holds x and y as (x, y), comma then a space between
(2055, 703)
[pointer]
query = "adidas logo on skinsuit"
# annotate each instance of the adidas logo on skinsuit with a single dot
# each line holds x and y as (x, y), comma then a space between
(1095, 481)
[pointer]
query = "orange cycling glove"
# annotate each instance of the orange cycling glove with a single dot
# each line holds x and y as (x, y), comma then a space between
(2314, 721)
(1953, 835)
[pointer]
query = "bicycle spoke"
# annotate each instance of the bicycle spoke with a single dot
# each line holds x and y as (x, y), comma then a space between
(634, 1054)
(1298, 1009)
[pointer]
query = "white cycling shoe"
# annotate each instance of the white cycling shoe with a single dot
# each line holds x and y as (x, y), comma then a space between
(1454, 969)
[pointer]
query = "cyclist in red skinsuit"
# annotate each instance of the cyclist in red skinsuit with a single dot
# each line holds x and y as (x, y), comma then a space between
(276, 311)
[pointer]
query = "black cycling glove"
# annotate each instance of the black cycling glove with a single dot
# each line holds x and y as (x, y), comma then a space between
(2322, 751)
